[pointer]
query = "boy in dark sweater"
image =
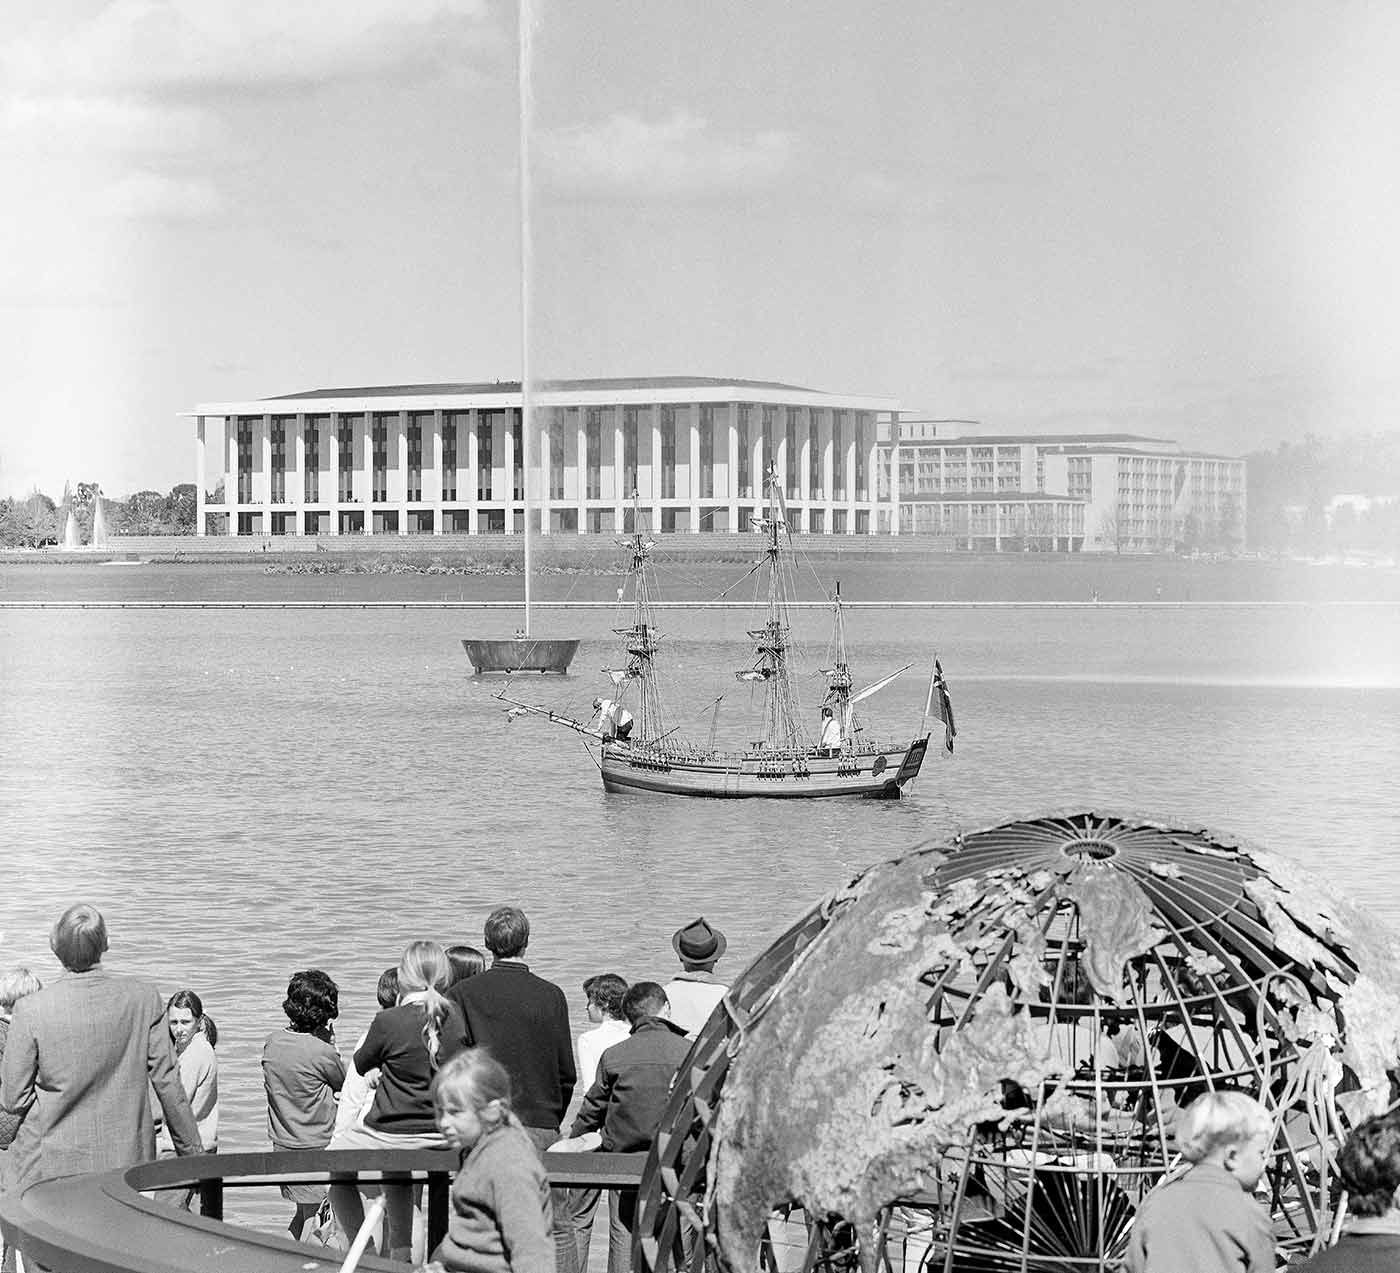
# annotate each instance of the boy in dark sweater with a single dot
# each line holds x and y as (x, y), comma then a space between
(523, 1021)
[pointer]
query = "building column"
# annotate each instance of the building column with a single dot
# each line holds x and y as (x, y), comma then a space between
(435, 482)
(231, 474)
(581, 460)
(363, 476)
(693, 467)
(872, 455)
(266, 484)
(299, 476)
(622, 497)
(508, 448)
(473, 470)
(333, 449)
(780, 448)
(732, 444)
(758, 462)
(826, 468)
(401, 439)
(656, 468)
(199, 477)
(848, 460)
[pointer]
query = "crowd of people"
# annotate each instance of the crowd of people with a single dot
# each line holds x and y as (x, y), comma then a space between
(470, 1051)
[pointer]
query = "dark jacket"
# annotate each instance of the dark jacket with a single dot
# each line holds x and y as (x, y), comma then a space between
(523, 1021)
(634, 1081)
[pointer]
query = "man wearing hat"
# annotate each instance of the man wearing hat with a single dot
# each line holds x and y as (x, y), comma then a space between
(694, 992)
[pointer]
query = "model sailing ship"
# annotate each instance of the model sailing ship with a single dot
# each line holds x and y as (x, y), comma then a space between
(784, 762)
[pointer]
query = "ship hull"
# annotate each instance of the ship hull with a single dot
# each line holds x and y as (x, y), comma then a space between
(531, 655)
(871, 774)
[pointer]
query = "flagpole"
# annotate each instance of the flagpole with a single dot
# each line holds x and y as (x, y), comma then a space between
(928, 700)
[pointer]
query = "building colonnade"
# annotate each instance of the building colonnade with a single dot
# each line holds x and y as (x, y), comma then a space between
(691, 466)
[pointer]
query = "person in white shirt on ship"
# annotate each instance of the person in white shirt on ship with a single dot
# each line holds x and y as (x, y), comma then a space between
(614, 721)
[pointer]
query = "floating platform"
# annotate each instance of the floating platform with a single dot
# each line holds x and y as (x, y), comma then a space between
(523, 654)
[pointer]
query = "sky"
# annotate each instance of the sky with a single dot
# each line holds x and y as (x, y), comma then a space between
(1173, 219)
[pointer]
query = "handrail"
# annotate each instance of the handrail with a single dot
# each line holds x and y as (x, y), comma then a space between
(105, 1223)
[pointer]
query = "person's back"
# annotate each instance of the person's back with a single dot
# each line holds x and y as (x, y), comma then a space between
(523, 1020)
(695, 991)
(634, 1078)
(79, 1057)
(1208, 1221)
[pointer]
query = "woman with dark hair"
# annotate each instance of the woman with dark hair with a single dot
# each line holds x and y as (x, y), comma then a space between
(198, 1066)
(466, 962)
(302, 1072)
(406, 1044)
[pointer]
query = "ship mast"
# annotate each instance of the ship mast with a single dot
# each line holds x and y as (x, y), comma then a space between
(838, 676)
(782, 713)
(641, 640)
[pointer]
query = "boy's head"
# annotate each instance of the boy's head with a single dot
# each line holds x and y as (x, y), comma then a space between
(644, 999)
(1229, 1129)
(387, 991)
(507, 932)
(604, 994)
(1370, 1165)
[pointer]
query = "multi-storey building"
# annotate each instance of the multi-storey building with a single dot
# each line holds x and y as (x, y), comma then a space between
(443, 459)
(1068, 492)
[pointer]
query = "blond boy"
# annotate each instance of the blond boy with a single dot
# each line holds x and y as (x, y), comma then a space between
(1207, 1220)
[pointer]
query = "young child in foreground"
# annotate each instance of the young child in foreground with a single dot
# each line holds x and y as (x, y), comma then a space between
(1208, 1220)
(501, 1220)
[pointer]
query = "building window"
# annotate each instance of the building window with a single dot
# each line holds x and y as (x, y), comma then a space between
(311, 445)
(278, 474)
(245, 461)
(484, 457)
(414, 477)
(770, 455)
(593, 451)
(668, 453)
(862, 460)
(790, 480)
(631, 427)
(379, 468)
(345, 442)
(745, 453)
(449, 457)
(838, 456)
(707, 452)
(517, 430)
(552, 436)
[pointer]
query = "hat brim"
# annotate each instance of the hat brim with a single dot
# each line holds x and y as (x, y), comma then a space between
(720, 944)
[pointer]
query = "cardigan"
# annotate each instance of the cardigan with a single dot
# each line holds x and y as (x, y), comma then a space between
(523, 1021)
(502, 1218)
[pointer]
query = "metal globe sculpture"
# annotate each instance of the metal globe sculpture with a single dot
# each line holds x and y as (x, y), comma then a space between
(972, 1057)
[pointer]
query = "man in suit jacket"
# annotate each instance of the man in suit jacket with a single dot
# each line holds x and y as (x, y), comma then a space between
(79, 1057)
(523, 1021)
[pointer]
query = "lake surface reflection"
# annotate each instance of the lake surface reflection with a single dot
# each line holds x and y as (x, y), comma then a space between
(245, 793)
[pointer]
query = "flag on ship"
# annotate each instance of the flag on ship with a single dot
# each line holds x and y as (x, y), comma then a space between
(941, 705)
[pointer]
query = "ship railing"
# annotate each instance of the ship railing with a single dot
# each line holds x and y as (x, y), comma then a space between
(118, 1222)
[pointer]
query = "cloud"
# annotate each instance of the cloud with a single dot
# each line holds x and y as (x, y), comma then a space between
(126, 125)
(162, 47)
(150, 195)
(680, 157)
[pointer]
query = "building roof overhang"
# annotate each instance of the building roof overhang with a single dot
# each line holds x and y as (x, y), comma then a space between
(502, 395)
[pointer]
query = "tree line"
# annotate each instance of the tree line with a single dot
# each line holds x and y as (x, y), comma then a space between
(37, 520)
(1293, 491)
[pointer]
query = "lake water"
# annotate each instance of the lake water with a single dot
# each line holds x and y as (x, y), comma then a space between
(248, 792)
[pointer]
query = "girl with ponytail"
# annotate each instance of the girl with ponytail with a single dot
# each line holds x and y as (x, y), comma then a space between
(407, 1044)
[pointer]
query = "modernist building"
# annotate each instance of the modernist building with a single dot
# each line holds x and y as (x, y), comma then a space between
(1066, 492)
(449, 459)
